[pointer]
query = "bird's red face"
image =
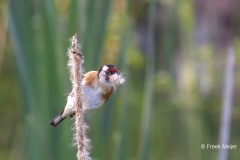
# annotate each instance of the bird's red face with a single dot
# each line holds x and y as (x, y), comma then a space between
(106, 72)
(110, 71)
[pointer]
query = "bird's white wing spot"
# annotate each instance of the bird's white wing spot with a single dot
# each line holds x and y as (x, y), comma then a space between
(56, 120)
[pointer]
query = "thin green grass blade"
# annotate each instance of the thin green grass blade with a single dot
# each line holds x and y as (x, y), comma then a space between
(144, 148)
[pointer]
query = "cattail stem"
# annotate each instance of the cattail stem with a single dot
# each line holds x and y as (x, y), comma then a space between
(75, 63)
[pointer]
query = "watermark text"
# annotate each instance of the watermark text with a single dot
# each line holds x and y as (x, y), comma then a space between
(219, 146)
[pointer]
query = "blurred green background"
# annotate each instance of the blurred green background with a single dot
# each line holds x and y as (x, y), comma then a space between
(172, 53)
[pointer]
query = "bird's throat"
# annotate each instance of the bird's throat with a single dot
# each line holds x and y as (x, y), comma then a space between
(107, 78)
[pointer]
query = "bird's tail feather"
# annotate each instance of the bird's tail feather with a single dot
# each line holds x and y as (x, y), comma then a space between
(57, 119)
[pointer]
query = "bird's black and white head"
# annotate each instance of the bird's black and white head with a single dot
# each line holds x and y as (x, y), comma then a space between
(109, 75)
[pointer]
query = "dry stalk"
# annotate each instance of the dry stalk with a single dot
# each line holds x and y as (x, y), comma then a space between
(75, 63)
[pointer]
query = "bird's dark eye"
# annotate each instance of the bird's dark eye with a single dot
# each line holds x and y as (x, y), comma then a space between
(109, 73)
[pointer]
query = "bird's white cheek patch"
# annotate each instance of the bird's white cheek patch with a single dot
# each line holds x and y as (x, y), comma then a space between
(105, 68)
